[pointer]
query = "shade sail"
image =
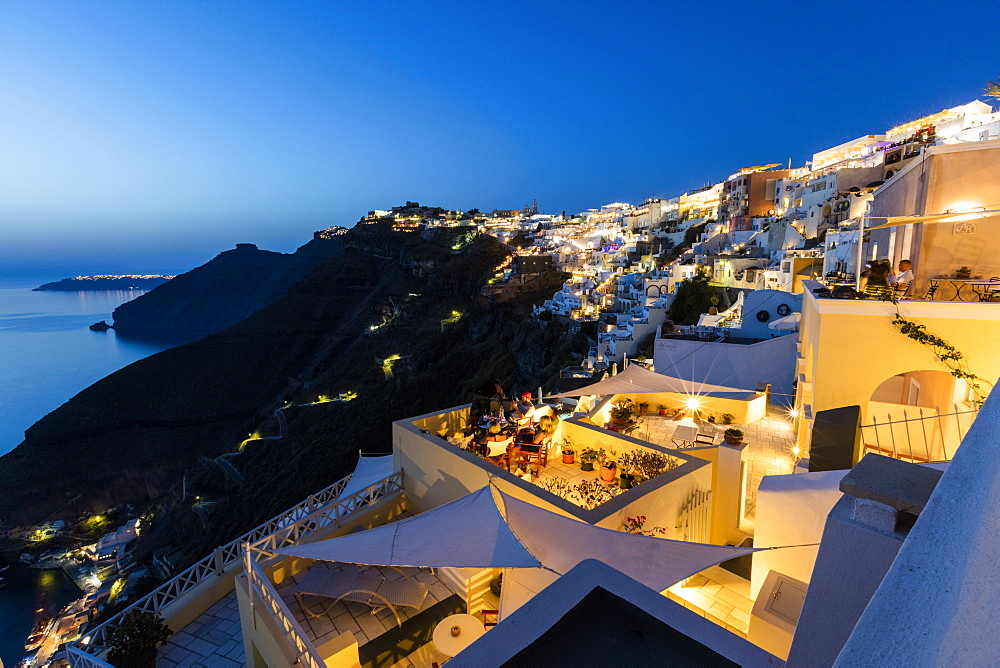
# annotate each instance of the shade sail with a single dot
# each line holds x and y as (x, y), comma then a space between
(469, 532)
(369, 471)
(955, 217)
(561, 542)
(639, 380)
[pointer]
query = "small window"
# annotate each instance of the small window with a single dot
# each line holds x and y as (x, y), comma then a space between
(780, 601)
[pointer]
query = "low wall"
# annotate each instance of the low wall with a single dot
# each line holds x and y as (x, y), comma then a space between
(743, 412)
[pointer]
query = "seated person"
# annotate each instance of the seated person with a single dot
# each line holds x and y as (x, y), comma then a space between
(522, 408)
(486, 399)
(904, 276)
(530, 439)
(482, 440)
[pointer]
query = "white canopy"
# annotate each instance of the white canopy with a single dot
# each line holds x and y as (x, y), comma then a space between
(639, 380)
(951, 217)
(789, 322)
(470, 532)
(369, 471)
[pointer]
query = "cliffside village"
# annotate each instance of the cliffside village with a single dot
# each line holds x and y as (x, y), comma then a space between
(741, 438)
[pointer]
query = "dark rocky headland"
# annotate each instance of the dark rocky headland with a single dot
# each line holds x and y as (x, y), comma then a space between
(137, 434)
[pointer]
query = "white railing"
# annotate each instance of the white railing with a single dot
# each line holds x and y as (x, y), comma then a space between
(695, 523)
(315, 512)
(80, 659)
(259, 584)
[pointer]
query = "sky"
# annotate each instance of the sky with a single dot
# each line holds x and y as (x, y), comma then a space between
(148, 136)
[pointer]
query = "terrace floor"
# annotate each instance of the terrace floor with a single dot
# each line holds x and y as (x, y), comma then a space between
(358, 618)
(717, 595)
(213, 640)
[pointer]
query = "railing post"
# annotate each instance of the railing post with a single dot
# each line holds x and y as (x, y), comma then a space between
(219, 561)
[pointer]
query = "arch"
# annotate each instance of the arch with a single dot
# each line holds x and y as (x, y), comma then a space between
(919, 416)
(649, 291)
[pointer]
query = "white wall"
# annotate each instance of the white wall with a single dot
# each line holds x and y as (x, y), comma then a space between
(731, 364)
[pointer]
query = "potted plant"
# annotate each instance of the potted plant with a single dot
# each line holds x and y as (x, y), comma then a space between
(626, 475)
(621, 411)
(963, 273)
(727, 418)
(711, 418)
(587, 458)
(643, 407)
(609, 469)
(568, 452)
(733, 436)
(136, 638)
(661, 409)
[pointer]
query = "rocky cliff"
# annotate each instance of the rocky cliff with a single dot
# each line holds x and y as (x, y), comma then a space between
(227, 289)
(132, 436)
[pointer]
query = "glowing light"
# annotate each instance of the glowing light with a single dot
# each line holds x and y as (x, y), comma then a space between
(794, 413)
(693, 403)
(795, 450)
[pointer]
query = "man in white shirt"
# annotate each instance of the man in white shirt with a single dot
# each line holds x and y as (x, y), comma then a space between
(904, 277)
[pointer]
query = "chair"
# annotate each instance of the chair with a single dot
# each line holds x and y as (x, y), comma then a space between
(495, 614)
(499, 450)
(704, 439)
(929, 296)
(539, 460)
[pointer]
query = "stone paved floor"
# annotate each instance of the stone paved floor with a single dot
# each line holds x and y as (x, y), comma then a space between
(719, 596)
(769, 445)
(214, 640)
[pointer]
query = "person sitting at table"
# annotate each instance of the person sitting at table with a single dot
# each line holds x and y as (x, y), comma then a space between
(522, 408)
(877, 276)
(903, 277)
(531, 438)
(486, 399)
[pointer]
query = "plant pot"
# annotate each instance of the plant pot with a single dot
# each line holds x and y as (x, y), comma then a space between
(568, 459)
(608, 475)
(662, 411)
(495, 586)
(643, 409)
(962, 276)
(619, 421)
(713, 310)
(626, 480)
(732, 440)
(586, 466)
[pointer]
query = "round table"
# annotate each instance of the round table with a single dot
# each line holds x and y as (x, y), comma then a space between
(470, 628)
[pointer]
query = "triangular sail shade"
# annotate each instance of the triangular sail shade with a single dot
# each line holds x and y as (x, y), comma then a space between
(639, 380)
(369, 471)
(468, 532)
(561, 542)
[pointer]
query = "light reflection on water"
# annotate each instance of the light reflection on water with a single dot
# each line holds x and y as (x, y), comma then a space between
(48, 353)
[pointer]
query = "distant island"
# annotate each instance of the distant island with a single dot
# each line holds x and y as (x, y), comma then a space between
(90, 283)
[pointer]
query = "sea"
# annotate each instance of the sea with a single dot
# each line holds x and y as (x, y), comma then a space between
(47, 355)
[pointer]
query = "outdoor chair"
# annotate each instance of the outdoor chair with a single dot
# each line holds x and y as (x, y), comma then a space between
(519, 458)
(494, 614)
(929, 295)
(704, 439)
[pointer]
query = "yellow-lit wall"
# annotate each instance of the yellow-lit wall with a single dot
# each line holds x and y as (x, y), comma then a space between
(850, 347)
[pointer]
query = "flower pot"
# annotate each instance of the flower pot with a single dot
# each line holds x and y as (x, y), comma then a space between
(626, 480)
(713, 310)
(662, 411)
(962, 275)
(586, 466)
(643, 409)
(619, 421)
(569, 458)
(732, 440)
(608, 475)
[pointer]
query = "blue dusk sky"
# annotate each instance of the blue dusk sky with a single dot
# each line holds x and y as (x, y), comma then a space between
(147, 136)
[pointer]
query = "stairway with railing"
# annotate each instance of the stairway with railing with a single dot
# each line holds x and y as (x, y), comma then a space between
(318, 511)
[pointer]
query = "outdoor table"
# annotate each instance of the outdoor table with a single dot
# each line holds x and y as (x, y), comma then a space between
(984, 289)
(958, 284)
(448, 642)
(684, 433)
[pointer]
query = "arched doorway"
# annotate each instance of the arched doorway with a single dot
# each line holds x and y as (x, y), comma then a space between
(919, 416)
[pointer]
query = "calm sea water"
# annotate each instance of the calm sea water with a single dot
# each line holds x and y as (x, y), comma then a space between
(24, 591)
(48, 354)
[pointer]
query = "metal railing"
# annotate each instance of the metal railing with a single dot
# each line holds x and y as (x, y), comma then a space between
(260, 585)
(315, 512)
(921, 439)
(80, 659)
